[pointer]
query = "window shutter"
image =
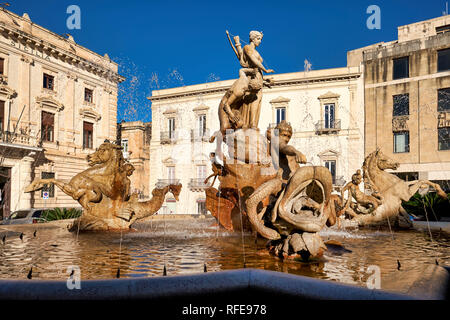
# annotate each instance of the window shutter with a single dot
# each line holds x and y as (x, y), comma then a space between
(87, 126)
(48, 119)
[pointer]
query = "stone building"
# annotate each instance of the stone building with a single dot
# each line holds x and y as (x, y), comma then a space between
(324, 107)
(407, 99)
(135, 137)
(58, 102)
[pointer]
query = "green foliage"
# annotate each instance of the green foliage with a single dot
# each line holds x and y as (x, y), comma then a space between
(61, 214)
(430, 205)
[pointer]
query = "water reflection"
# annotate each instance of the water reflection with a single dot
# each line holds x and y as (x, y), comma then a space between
(189, 245)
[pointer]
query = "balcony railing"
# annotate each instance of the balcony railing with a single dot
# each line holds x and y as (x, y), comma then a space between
(328, 127)
(18, 139)
(165, 182)
(168, 137)
(200, 135)
(198, 184)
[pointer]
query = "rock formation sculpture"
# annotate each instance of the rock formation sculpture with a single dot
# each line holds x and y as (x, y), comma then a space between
(103, 192)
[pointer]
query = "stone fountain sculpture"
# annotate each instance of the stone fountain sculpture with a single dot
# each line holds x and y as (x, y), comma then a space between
(262, 187)
(103, 192)
(387, 192)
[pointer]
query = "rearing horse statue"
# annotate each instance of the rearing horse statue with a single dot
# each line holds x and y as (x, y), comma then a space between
(103, 192)
(390, 189)
(89, 186)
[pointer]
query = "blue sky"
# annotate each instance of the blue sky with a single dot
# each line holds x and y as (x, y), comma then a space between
(184, 42)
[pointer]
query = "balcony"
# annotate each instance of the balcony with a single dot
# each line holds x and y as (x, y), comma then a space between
(165, 182)
(168, 137)
(323, 127)
(198, 184)
(200, 135)
(18, 144)
(18, 139)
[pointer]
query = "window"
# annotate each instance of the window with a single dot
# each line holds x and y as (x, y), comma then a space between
(329, 116)
(47, 126)
(2, 66)
(407, 176)
(201, 172)
(444, 138)
(202, 125)
(401, 142)
(88, 135)
(331, 165)
(281, 114)
(442, 29)
(2, 115)
(171, 173)
(401, 105)
(88, 95)
(444, 100)
(201, 207)
(124, 144)
(444, 60)
(401, 68)
(19, 215)
(50, 188)
(49, 82)
(171, 128)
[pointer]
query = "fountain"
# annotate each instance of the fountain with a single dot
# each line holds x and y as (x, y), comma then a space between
(265, 187)
(103, 192)
(262, 182)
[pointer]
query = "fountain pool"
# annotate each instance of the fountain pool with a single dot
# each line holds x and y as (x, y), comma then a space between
(185, 246)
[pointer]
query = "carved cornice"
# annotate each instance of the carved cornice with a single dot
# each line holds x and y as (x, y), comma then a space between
(201, 107)
(329, 95)
(59, 53)
(328, 154)
(89, 113)
(170, 111)
(169, 162)
(280, 100)
(7, 91)
(49, 102)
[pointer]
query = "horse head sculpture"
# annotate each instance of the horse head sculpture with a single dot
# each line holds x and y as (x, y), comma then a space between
(105, 153)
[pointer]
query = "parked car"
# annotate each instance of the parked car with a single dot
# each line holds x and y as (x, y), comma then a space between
(27, 216)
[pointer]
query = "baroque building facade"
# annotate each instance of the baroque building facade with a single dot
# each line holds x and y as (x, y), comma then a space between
(58, 102)
(407, 99)
(324, 108)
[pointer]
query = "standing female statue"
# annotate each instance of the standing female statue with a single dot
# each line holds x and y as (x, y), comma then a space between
(241, 105)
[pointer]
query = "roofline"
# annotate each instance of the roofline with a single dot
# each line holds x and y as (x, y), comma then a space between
(222, 86)
(55, 34)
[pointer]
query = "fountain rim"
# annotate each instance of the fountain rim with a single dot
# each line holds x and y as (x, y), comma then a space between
(301, 287)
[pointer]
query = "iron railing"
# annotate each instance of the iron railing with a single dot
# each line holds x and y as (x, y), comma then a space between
(323, 126)
(200, 135)
(198, 184)
(165, 182)
(168, 137)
